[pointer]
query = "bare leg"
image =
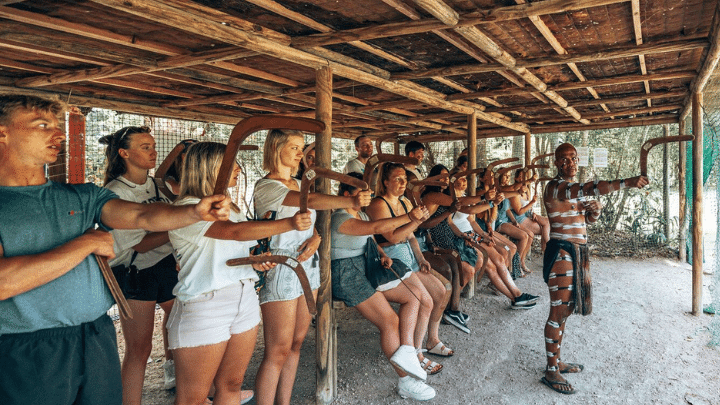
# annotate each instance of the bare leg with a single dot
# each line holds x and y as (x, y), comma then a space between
(229, 377)
(285, 325)
(524, 241)
(412, 312)
(561, 306)
(138, 345)
(377, 310)
(545, 226)
(446, 265)
(440, 297)
(166, 307)
(195, 368)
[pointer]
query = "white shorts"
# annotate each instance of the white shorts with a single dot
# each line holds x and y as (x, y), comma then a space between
(212, 317)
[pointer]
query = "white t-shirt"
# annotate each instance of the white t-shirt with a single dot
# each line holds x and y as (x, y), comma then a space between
(269, 195)
(125, 239)
(354, 166)
(460, 219)
(202, 259)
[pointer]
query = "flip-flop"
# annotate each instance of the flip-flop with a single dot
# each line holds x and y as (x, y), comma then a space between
(570, 366)
(246, 396)
(550, 384)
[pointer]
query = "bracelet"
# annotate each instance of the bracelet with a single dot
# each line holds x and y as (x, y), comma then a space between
(622, 184)
(491, 204)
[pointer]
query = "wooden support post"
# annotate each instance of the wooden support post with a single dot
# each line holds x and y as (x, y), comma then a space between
(325, 331)
(76, 148)
(57, 171)
(697, 209)
(666, 184)
(528, 149)
(682, 192)
(472, 184)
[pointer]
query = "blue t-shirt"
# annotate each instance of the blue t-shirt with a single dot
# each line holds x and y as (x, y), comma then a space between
(502, 216)
(35, 219)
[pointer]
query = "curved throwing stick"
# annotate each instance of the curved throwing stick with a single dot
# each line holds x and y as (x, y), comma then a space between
(384, 157)
(379, 141)
(314, 172)
(540, 157)
(650, 143)
(248, 126)
(112, 284)
(288, 261)
(164, 167)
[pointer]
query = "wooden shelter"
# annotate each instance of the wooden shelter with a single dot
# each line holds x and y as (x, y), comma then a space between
(431, 70)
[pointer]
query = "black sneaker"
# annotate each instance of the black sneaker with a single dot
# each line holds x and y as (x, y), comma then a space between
(522, 306)
(456, 320)
(525, 299)
(465, 316)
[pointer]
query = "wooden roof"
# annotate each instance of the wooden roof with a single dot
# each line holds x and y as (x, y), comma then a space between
(400, 66)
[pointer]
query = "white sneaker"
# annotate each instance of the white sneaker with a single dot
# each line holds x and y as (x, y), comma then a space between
(406, 360)
(415, 389)
(169, 372)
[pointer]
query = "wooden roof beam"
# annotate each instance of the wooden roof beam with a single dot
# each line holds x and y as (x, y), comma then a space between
(593, 102)
(197, 22)
(446, 14)
(622, 51)
(422, 25)
(601, 116)
(708, 66)
(611, 81)
(555, 44)
(637, 29)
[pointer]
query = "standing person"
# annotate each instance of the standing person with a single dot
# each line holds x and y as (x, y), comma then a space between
(143, 263)
(566, 266)
(415, 149)
(351, 232)
(214, 322)
(364, 148)
(285, 315)
(400, 244)
(57, 344)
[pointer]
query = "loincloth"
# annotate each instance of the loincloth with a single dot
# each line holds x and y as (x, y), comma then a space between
(582, 281)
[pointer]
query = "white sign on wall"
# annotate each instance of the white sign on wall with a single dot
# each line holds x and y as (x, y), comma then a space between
(583, 154)
(600, 157)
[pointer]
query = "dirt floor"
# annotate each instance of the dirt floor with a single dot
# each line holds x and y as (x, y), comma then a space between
(640, 346)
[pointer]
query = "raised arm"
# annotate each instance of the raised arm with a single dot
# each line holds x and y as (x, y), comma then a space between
(319, 201)
(563, 190)
(253, 230)
(378, 210)
(358, 227)
(19, 274)
(157, 217)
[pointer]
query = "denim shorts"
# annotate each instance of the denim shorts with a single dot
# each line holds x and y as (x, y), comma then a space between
(349, 283)
(212, 317)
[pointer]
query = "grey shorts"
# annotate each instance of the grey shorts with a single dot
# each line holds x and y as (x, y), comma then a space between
(348, 281)
(281, 282)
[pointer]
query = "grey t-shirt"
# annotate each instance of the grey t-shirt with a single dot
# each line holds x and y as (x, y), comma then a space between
(346, 246)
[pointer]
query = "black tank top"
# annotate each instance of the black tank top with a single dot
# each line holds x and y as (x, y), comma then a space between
(378, 237)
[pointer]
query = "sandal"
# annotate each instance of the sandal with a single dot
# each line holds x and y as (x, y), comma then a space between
(558, 386)
(441, 350)
(430, 366)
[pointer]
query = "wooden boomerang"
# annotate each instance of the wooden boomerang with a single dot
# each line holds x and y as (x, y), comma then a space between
(384, 157)
(379, 141)
(539, 157)
(112, 284)
(416, 188)
(490, 166)
(288, 261)
(650, 143)
(314, 172)
(248, 126)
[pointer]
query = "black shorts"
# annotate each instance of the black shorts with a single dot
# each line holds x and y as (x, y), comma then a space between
(152, 284)
(67, 365)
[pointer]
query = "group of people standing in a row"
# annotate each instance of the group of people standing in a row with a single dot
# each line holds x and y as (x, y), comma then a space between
(54, 331)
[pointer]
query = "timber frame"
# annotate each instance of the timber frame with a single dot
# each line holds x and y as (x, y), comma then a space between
(432, 70)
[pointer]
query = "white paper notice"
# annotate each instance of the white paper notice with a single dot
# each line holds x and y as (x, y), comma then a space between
(583, 154)
(600, 157)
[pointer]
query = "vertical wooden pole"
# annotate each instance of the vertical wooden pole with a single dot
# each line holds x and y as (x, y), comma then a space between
(666, 184)
(697, 230)
(57, 171)
(472, 183)
(682, 189)
(325, 342)
(528, 150)
(76, 148)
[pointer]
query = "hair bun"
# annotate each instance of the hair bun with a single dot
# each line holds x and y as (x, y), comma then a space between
(106, 140)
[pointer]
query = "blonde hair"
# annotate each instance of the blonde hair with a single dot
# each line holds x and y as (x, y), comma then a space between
(275, 141)
(200, 170)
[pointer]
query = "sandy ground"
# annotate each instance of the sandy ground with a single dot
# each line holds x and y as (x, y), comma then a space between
(640, 346)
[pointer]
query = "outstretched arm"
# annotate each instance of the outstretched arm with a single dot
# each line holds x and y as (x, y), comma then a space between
(253, 230)
(358, 227)
(563, 190)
